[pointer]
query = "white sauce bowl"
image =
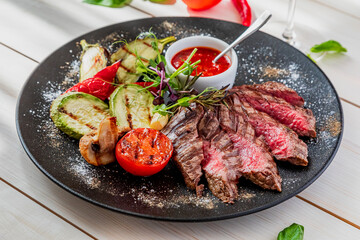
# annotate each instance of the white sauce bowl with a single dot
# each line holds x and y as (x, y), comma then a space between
(217, 81)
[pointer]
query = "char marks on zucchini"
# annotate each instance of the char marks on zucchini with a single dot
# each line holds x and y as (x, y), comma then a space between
(128, 55)
(77, 114)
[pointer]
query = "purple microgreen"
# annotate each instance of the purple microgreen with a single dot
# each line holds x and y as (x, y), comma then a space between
(158, 100)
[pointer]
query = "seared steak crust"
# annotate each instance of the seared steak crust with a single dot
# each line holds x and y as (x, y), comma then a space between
(284, 143)
(217, 173)
(301, 120)
(220, 158)
(188, 146)
(281, 91)
(255, 161)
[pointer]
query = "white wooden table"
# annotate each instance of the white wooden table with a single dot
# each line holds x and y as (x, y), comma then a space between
(33, 207)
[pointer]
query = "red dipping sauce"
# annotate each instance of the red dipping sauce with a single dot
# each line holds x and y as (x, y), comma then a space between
(206, 55)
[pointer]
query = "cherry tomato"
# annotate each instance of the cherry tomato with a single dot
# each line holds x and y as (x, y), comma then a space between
(143, 151)
(201, 4)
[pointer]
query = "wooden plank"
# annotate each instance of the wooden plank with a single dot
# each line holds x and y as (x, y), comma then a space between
(21, 172)
(14, 71)
(337, 189)
(36, 28)
(351, 7)
(22, 218)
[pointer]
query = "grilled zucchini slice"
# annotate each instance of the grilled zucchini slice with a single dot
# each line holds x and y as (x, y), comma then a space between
(77, 114)
(144, 49)
(93, 59)
(132, 105)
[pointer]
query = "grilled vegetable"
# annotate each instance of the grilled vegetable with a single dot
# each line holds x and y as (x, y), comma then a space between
(93, 59)
(77, 114)
(101, 85)
(144, 48)
(132, 106)
(159, 121)
(98, 146)
(144, 151)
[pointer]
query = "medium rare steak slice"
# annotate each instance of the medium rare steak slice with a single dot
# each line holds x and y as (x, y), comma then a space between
(284, 143)
(221, 159)
(188, 146)
(301, 120)
(217, 174)
(256, 163)
(281, 91)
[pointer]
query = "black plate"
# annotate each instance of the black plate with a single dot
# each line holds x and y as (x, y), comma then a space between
(164, 196)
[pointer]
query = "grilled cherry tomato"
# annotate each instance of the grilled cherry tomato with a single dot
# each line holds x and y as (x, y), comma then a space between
(201, 4)
(143, 151)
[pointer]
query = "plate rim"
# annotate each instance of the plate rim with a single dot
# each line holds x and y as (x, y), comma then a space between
(161, 218)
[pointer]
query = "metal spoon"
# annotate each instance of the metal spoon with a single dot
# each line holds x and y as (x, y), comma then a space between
(264, 17)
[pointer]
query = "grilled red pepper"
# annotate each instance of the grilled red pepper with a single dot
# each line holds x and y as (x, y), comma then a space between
(245, 11)
(101, 85)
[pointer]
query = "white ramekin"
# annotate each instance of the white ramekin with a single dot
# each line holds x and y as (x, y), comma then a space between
(217, 81)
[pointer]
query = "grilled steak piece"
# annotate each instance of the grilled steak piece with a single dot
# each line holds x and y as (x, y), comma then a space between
(209, 124)
(221, 159)
(284, 143)
(301, 120)
(188, 146)
(256, 163)
(281, 91)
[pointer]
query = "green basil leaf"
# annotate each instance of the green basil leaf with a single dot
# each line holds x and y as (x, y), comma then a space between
(293, 232)
(108, 3)
(328, 46)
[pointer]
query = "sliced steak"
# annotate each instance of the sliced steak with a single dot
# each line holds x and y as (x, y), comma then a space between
(221, 159)
(281, 91)
(256, 163)
(209, 124)
(301, 120)
(188, 146)
(284, 143)
(218, 174)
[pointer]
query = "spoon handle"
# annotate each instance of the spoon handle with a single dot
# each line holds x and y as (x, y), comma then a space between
(264, 17)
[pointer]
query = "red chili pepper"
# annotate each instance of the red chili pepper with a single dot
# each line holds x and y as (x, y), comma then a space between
(146, 84)
(101, 85)
(245, 11)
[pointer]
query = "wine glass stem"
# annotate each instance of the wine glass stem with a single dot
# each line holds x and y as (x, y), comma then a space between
(289, 33)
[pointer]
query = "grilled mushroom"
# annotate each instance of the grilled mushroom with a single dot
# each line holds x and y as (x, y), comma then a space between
(98, 147)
